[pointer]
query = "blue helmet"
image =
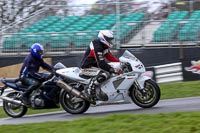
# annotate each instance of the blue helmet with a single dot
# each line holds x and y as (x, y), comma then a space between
(37, 50)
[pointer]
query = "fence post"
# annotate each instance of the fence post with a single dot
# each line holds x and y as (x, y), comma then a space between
(118, 23)
(181, 53)
(1, 42)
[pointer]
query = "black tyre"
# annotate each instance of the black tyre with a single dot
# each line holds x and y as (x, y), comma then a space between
(150, 97)
(14, 110)
(72, 104)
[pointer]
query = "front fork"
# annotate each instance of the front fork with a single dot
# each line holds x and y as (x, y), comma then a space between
(141, 90)
(139, 82)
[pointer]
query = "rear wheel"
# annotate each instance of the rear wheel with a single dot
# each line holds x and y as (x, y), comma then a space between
(72, 104)
(149, 98)
(14, 110)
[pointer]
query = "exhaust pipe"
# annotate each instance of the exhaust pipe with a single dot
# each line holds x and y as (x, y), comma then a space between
(69, 89)
(10, 100)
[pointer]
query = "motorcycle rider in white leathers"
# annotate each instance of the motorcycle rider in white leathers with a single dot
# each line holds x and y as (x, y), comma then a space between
(95, 55)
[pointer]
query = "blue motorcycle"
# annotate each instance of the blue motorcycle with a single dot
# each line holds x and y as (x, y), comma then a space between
(13, 88)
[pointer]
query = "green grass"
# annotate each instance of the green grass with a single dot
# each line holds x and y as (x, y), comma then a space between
(180, 89)
(118, 123)
(168, 91)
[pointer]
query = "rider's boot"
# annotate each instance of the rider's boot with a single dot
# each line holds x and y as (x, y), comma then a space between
(92, 90)
(25, 99)
(88, 91)
(100, 94)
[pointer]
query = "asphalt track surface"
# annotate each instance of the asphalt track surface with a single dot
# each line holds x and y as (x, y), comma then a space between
(163, 106)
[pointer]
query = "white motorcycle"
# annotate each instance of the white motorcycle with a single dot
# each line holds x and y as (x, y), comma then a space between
(135, 84)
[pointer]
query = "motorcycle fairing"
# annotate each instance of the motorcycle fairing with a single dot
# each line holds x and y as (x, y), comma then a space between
(141, 80)
(73, 73)
(116, 87)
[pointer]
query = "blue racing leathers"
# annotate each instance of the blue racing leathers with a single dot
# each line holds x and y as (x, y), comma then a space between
(30, 67)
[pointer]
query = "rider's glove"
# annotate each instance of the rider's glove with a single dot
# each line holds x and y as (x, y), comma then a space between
(45, 77)
(118, 71)
(53, 72)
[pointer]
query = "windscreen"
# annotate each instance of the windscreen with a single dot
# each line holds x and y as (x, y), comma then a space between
(128, 55)
(59, 65)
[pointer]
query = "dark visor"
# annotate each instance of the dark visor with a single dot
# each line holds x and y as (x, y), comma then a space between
(108, 39)
(40, 52)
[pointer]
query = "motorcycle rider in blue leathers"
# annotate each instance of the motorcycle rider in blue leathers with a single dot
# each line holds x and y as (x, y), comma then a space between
(29, 71)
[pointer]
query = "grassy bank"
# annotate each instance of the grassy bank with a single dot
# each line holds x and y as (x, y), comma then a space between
(180, 89)
(168, 91)
(123, 123)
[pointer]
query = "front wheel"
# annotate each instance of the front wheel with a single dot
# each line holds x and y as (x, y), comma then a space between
(14, 110)
(149, 98)
(72, 104)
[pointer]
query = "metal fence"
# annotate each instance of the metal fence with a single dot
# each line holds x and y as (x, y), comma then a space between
(71, 28)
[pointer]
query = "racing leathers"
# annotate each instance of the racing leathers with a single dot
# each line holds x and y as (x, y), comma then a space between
(29, 73)
(95, 56)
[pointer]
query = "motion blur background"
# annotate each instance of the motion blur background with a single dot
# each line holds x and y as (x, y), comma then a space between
(158, 32)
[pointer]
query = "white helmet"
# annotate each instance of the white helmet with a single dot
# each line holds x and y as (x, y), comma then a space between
(106, 37)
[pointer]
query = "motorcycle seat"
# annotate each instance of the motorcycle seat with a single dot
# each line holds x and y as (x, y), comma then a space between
(88, 73)
(20, 84)
(84, 76)
(11, 80)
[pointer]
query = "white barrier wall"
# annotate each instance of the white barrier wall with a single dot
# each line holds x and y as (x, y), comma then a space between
(169, 72)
